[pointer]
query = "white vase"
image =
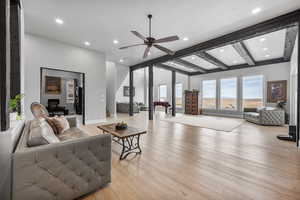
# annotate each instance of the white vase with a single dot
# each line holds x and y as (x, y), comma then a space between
(13, 116)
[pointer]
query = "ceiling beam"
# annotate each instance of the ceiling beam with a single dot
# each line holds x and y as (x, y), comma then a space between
(189, 65)
(290, 39)
(244, 66)
(212, 60)
(167, 67)
(242, 50)
(277, 23)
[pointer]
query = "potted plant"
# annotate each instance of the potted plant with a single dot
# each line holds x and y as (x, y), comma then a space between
(15, 107)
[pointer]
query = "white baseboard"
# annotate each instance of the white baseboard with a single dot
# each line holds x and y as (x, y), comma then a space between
(95, 121)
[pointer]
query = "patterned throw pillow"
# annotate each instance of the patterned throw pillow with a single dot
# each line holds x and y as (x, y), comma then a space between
(61, 124)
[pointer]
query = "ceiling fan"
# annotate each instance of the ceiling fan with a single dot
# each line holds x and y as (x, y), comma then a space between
(150, 41)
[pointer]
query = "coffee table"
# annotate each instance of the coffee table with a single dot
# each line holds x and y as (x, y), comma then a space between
(129, 138)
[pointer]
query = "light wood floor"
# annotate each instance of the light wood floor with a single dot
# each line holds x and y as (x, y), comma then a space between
(184, 162)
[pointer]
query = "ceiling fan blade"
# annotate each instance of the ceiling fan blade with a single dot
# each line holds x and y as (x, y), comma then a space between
(167, 39)
(146, 53)
(164, 49)
(139, 35)
(134, 45)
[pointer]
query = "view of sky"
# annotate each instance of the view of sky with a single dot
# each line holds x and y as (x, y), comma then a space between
(252, 88)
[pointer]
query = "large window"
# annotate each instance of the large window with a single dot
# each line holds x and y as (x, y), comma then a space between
(178, 94)
(209, 94)
(252, 91)
(228, 94)
(162, 93)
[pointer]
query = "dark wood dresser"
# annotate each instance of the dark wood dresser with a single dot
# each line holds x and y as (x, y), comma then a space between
(191, 102)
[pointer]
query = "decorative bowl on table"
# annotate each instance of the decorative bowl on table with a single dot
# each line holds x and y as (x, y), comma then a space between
(121, 126)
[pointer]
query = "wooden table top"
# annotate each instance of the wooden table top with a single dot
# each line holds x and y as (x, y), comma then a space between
(130, 131)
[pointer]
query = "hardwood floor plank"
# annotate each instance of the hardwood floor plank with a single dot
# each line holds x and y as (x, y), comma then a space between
(186, 162)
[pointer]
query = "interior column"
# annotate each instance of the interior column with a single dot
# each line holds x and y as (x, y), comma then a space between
(150, 96)
(298, 89)
(15, 49)
(173, 93)
(131, 92)
(4, 64)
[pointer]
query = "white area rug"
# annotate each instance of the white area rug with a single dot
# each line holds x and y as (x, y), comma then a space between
(211, 122)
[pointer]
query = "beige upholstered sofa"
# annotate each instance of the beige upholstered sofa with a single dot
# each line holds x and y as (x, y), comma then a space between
(76, 165)
(265, 116)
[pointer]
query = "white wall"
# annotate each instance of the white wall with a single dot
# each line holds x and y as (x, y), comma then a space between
(162, 76)
(293, 88)
(111, 87)
(273, 72)
(41, 52)
(138, 82)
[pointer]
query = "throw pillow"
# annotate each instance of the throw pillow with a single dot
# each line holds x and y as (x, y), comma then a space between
(51, 122)
(48, 133)
(40, 133)
(61, 124)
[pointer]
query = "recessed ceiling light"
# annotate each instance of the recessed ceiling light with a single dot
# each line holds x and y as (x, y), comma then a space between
(121, 60)
(265, 49)
(222, 50)
(267, 56)
(59, 21)
(185, 39)
(256, 10)
(115, 41)
(86, 43)
(262, 39)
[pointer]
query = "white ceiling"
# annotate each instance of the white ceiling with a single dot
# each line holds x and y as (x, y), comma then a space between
(200, 62)
(102, 21)
(268, 46)
(227, 55)
(178, 66)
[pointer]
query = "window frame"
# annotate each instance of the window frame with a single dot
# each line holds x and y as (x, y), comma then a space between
(236, 92)
(166, 92)
(216, 94)
(263, 89)
(181, 94)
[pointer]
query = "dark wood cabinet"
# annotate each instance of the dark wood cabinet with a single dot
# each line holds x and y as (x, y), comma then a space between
(191, 102)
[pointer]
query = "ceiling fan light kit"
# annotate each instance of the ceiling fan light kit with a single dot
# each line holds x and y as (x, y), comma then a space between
(152, 42)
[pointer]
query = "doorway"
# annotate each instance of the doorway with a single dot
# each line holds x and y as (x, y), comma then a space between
(62, 92)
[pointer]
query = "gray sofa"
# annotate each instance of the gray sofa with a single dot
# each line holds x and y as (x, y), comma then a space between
(124, 107)
(265, 116)
(77, 165)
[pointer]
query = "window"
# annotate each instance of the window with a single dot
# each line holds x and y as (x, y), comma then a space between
(228, 94)
(252, 91)
(209, 94)
(178, 94)
(162, 93)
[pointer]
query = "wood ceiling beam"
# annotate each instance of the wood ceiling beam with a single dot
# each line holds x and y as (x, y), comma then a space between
(290, 39)
(242, 50)
(244, 66)
(211, 59)
(275, 24)
(189, 65)
(167, 67)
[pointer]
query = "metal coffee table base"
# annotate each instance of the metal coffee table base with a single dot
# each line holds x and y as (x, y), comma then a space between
(129, 145)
